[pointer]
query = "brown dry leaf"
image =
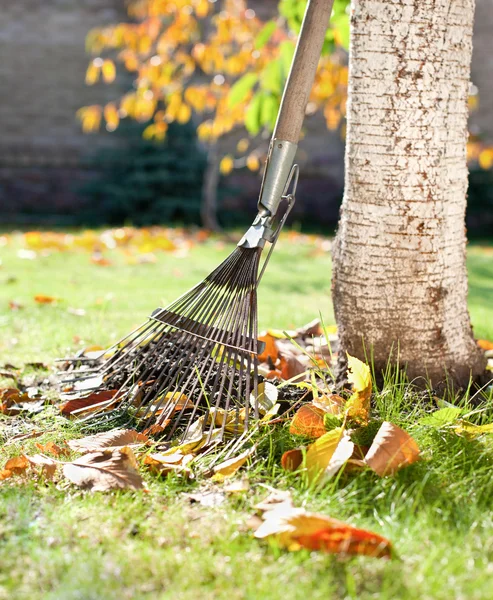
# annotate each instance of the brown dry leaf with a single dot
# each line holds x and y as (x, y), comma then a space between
(14, 466)
(42, 299)
(291, 460)
(308, 421)
(105, 470)
(48, 465)
(391, 450)
(295, 528)
(52, 448)
(96, 401)
(108, 439)
(332, 404)
(230, 466)
(359, 376)
(314, 328)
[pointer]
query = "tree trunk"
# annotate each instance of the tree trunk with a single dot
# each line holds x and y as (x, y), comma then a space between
(400, 281)
(208, 210)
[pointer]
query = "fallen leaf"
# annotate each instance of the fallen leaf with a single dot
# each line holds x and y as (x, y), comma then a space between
(308, 421)
(485, 344)
(291, 460)
(320, 453)
(163, 464)
(267, 397)
(14, 466)
(314, 328)
(78, 312)
(359, 376)
(270, 349)
(105, 470)
(230, 466)
(42, 299)
(237, 487)
(295, 528)
(332, 404)
(95, 401)
(48, 465)
(442, 417)
(108, 439)
(471, 430)
(391, 450)
(52, 448)
(15, 305)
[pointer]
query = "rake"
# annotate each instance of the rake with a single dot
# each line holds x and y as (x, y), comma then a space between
(193, 366)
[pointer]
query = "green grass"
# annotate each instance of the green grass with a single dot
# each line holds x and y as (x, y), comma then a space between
(59, 543)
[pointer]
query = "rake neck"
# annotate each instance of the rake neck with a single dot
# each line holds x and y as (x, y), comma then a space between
(282, 150)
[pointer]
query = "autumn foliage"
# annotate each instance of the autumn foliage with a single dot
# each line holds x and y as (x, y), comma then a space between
(218, 62)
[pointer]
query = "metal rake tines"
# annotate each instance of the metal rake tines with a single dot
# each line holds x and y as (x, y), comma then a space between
(197, 357)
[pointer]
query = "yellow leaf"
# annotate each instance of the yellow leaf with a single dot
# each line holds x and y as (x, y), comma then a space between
(184, 114)
(226, 165)
(319, 454)
(471, 430)
(359, 376)
(391, 450)
(242, 145)
(229, 467)
(92, 73)
(111, 117)
(486, 159)
(253, 162)
(109, 71)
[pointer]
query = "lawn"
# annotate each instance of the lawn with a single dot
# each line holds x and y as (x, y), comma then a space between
(60, 543)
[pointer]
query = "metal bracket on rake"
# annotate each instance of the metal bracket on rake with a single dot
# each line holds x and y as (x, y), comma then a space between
(291, 199)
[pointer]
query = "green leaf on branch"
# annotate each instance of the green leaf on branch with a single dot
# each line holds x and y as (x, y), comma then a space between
(252, 115)
(271, 77)
(265, 34)
(241, 88)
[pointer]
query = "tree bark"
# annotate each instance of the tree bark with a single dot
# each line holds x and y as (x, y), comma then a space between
(400, 281)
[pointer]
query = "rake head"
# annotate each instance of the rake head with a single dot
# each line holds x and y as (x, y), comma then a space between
(195, 358)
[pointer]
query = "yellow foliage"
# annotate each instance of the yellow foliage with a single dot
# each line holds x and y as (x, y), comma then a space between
(226, 165)
(109, 71)
(252, 162)
(92, 73)
(486, 158)
(111, 116)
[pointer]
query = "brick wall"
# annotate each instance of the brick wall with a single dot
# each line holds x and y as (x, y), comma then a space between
(42, 76)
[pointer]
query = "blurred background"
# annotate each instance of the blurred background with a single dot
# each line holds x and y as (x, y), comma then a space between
(165, 118)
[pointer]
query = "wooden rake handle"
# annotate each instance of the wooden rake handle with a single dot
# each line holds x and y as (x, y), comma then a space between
(303, 69)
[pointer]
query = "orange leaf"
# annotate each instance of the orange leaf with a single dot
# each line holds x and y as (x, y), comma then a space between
(270, 350)
(52, 448)
(308, 421)
(391, 450)
(345, 539)
(95, 401)
(295, 528)
(292, 459)
(14, 466)
(485, 344)
(42, 299)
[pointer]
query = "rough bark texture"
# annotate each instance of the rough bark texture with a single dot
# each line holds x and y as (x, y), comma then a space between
(400, 278)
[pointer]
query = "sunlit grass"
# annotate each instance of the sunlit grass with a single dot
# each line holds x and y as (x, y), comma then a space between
(59, 543)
